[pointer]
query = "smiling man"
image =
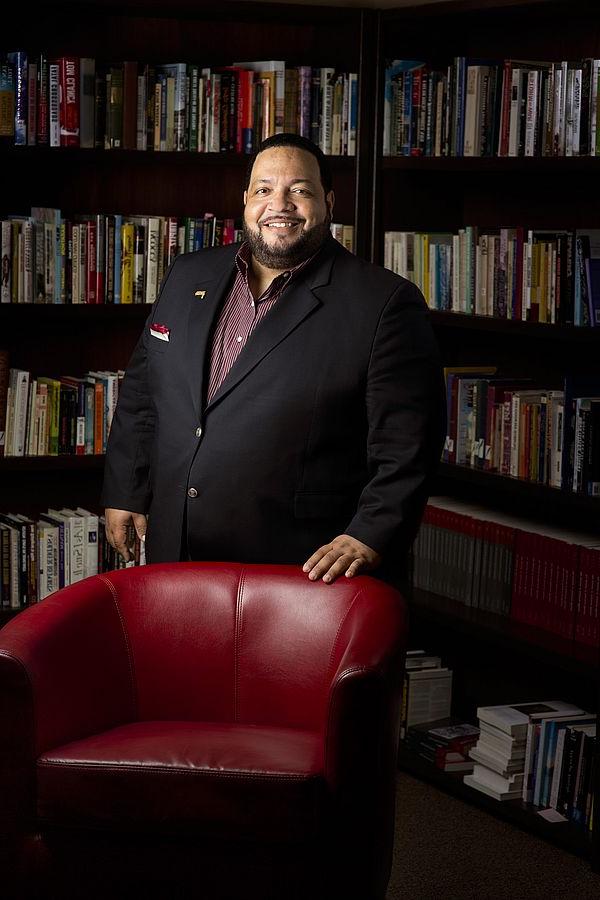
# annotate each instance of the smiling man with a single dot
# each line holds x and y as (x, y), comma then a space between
(284, 403)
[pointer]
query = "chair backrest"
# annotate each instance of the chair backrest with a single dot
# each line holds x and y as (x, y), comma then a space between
(254, 644)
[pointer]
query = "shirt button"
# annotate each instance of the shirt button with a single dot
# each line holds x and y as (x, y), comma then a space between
(198, 432)
(239, 338)
(192, 492)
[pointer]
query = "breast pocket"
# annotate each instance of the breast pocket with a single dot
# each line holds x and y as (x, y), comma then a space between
(155, 345)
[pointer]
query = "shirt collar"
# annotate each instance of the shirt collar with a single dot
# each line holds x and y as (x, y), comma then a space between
(242, 260)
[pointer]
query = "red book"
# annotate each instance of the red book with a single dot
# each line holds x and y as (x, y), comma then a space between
(68, 80)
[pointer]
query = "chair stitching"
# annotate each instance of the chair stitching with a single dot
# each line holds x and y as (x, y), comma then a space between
(171, 770)
(338, 632)
(237, 641)
(115, 597)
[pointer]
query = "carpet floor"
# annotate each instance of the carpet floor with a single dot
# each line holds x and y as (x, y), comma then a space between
(448, 849)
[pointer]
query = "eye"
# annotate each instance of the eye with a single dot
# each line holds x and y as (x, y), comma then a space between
(261, 190)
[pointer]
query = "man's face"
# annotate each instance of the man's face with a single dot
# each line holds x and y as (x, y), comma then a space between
(286, 212)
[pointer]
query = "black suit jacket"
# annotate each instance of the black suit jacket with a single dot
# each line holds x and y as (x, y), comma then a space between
(329, 422)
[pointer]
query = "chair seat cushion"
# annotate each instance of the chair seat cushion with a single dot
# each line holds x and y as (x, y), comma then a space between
(224, 779)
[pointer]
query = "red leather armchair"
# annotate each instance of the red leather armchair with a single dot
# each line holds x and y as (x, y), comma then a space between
(205, 730)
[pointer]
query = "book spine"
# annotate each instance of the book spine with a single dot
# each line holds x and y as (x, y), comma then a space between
(54, 103)
(69, 99)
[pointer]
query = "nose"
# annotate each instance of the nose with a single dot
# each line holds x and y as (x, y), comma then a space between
(281, 201)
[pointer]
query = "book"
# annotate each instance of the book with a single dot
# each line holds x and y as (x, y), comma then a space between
(514, 719)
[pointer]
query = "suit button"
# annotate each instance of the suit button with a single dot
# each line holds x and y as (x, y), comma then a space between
(198, 432)
(192, 492)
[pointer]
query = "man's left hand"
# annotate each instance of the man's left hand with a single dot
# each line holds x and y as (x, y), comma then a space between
(345, 555)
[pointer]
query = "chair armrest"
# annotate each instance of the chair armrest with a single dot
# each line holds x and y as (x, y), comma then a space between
(65, 673)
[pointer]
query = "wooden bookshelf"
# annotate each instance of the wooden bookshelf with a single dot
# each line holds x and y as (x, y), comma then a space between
(494, 659)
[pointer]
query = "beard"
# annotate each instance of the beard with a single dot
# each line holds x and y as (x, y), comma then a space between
(291, 254)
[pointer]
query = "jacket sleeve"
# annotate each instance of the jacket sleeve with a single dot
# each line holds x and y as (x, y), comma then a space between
(127, 482)
(406, 411)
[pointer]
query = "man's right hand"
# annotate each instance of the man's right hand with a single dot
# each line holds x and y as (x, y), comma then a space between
(117, 521)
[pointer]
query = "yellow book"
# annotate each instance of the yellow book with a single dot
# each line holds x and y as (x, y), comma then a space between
(53, 414)
(127, 241)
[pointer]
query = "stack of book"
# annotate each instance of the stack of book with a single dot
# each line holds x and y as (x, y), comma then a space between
(445, 743)
(427, 690)
(500, 752)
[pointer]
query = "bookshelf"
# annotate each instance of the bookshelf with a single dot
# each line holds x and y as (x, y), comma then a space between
(57, 339)
(376, 194)
(446, 193)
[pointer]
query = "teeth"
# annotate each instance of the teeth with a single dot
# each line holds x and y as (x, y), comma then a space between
(280, 224)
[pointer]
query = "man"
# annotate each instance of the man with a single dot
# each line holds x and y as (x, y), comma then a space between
(284, 403)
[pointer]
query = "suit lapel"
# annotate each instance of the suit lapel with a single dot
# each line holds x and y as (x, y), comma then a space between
(207, 296)
(296, 303)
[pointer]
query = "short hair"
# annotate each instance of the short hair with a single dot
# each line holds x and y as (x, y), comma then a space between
(287, 139)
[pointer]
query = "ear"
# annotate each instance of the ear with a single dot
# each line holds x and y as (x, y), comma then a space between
(245, 197)
(330, 201)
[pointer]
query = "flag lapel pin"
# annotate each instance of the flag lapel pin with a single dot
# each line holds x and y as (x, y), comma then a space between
(200, 294)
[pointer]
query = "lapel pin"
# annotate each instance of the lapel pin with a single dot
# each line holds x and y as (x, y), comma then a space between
(200, 294)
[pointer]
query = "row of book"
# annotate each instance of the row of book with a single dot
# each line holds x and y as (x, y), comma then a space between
(48, 258)
(505, 107)
(542, 576)
(513, 426)
(43, 416)
(73, 101)
(529, 275)
(540, 752)
(58, 548)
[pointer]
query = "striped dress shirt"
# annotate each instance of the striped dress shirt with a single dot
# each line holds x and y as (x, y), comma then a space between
(240, 315)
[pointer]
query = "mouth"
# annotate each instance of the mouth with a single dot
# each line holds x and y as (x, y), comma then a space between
(280, 225)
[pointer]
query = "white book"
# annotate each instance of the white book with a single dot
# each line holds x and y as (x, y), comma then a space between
(514, 718)
(531, 110)
(59, 517)
(48, 577)
(326, 122)
(21, 397)
(473, 782)
(153, 237)
(90, 541)
(31, 434)
(497, 781)
(77, 544)
(497, 763)
(6, 251)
